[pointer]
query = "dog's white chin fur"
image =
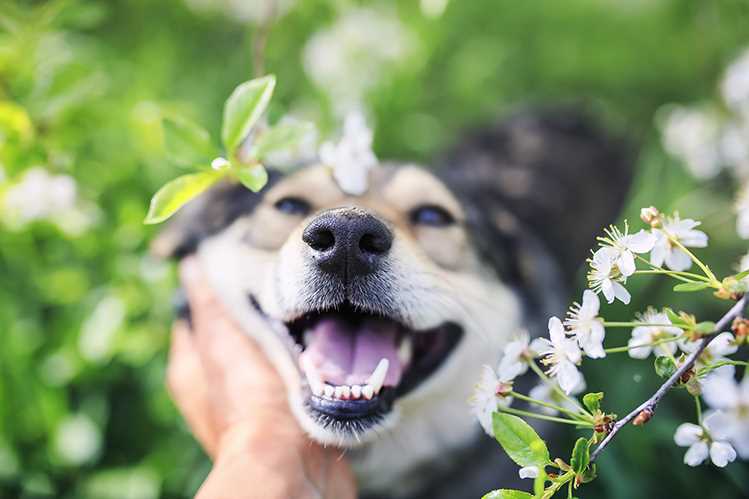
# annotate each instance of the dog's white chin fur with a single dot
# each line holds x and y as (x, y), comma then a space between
(425, 424)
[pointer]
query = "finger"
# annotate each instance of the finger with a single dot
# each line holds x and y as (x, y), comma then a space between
(237, 369)
(187, 385)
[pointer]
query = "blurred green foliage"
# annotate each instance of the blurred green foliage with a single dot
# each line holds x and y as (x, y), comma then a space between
(84, 314)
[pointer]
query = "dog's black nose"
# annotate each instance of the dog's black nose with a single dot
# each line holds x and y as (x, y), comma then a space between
(347, 241)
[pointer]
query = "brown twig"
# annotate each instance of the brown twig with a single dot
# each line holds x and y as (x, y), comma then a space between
(648, 407)
(260, 40)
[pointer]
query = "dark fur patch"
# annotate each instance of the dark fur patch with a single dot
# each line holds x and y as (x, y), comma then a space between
(552, 173)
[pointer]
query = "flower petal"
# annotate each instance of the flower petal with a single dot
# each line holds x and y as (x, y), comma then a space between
(722, 453)
(720, 392)
(641, 242)
(723, 344)
(677, 260)
(621, 293)
(696, 454)
(687, 434)
(626, 263)
(528, 472)
(556, 331)
(568, 376)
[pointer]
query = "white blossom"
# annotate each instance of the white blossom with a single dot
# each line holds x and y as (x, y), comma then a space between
(528, 472)
(735, 85)
(584, 324)
(719, 348)
(249, 11)
(742, 212)
(731, 401)
(692, 135)
(514, 361)
(561, 354)
(621, 247)
(351, 56)
(40, 195)
(546, 392)
(605, 277)
(703, 441)
(352, 157)
(640, 344)
(684, 232)
(487, 398)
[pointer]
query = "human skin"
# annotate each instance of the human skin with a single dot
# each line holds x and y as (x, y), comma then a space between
(236, 406)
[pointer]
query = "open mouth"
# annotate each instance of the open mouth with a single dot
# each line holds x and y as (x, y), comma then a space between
(356, 364)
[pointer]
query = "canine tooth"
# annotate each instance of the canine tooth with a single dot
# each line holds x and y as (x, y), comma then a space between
(329, 391)
(405, 350)
(313, 377)
(345, 392)
(356, 391)
(338, 392)
(378, 376)
(367, 392)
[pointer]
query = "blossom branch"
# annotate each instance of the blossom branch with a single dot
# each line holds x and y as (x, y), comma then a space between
(650, 404)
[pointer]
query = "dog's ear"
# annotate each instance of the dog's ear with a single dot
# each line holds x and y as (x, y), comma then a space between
(206, 215)
(556, 172)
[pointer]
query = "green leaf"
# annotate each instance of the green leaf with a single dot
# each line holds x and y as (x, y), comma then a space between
(580, 455)
(243, 109)
(179, 191)
(281, 136)
(592, 401)
(689, 287)
(675, 318)
(706, 327)
(519, 440)
(664, 366)
(590, 474)
(741, 275)
(254, 177)
(507, 494)
(187, 143)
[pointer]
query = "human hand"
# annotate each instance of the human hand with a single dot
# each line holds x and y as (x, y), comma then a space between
(236, 406)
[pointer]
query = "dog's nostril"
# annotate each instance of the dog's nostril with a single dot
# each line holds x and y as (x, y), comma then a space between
(319, 239)
(374, 244)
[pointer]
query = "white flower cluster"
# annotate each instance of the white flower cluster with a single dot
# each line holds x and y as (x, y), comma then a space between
(351, 56)
(722, 434)
(708, 140)
(614, 261)
(40, 195)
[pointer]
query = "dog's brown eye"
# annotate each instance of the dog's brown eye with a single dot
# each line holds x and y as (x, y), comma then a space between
(431, 215)
(293, 206)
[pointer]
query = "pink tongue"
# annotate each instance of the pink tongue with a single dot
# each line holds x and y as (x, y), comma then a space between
(347, 355)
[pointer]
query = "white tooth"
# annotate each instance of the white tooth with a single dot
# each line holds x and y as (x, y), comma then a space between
(405, 350)
(356, 391)
(346, 392)
(313, 377)
(378, 376)
(338, 392)
(367, 392)
(329, 391)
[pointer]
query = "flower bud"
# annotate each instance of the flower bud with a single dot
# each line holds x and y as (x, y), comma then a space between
(740, 328)
(651, 216)
(504, 389)
(643, 417)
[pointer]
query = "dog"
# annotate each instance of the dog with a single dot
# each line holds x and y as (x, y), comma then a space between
(378, 310)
